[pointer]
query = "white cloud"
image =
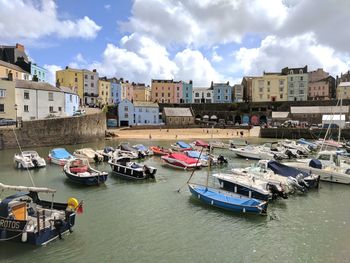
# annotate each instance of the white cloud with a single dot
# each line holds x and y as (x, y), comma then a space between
(31, 19)
(51, 70)
(276, 53)
(107, 7)
(215, 57)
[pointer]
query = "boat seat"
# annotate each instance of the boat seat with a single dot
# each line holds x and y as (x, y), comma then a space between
(79, 169)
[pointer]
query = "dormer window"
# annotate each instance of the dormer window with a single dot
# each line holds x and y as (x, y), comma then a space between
(291, 72)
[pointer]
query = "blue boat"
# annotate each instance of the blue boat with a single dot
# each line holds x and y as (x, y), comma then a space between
(312, 146)
(60, 156)
(80, 171)
(27, 219)
(228, 201)
(181, 146)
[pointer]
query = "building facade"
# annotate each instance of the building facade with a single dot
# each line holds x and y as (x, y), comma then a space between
(127, 90)
(125, 113)
(202, 95)
(187, 90)
(73, 79)
(39, 72)
(71, 101)
(298, 80)
(38, 100)
(116, 90)
(162, 91)
(237, 93)
(247, 83)
(15, 71)
(321, 85)
(146, 113)
(90, 87)
(104, 92)
(222, 92)
(177, 92)
(141, 92)
(178, 116)
(343, 90)
(8, 106)
(269, 87)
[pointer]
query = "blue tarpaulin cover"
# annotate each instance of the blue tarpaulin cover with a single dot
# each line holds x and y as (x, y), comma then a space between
(60, 153)
(183, 144)
(141, 147)
(284, 170)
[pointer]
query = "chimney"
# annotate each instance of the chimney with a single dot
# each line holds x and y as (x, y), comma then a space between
(35, 78)
(212, 83)
(228, 83)
(20, 47)
(94, 70)
(10, 76)
(191, 82)
(67, 67)
(58, 83)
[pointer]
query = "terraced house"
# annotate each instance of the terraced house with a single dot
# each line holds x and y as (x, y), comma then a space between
(298, 80)
(104, 92)
(222, 92)
(141, 92)
(269, 87)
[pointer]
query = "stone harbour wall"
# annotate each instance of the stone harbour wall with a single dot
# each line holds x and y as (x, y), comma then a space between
(52, 132)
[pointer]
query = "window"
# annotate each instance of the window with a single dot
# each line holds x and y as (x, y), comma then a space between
(156, 94)
(2, 107)
(268, 89)
(76, 79)
(291, 72)
(92, 85)
(178, 88)
(260, 89)
(178, 95)
(219, 90)
(301, 91)
(126, 108)
(281, 89)
(268, 83)
(219, 97)
(2, 93)
(71, 98)
(26, 108)
(208, 95)
(281, 96)
(50, 96)
(291, 78)
(102, 92)
(301, 78)
(226, 97)
(92, 77)
(50, 109)
(86, 76)
(168, 95)
(59, 109)
(291, 92)
(85, 84)
(126, 115)
(186, 95)
(26, 95)
(281, 82)
(162, 94)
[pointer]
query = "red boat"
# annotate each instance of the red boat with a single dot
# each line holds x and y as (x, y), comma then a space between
(180, 160)
(160, 150)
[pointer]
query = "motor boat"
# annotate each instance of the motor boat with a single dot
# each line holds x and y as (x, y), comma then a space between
(157, 150)
(181, 146)
(290, 144)
(124, 149)
(26, 218)
(220, 145)
(227, 200)
(312, 146)
(143, 149)
(107, 153)
(206, 159)
(329, 144)
(327, 164)
(79, 171)
(182, 161)
(28, 160)
(199, 145)
(251, 152)
(123, 167)
(60, 156)
(87, 153)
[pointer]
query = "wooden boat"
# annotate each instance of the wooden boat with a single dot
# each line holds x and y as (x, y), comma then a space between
(27, 219)
(228, 201)
(89, 154)
(28, 160)
(80, 171)
(180, 160)
(60, 156)
(160, 150)
(130, 170)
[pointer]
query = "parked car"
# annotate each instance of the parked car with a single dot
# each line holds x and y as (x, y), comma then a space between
(7, 122)
(79, 113)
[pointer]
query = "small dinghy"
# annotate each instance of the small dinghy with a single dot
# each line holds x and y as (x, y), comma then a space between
(80, 171)
(143, 149)
(107, 153)
(182, 161)
(199, 144)
(27, 219)
(123, 167)
(29, 160)
(89, 154)
(126, 150)
(181, 146)
(60, 156)
(228, 201)
(160, 150)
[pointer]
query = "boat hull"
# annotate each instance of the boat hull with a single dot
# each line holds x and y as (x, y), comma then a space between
(212, 197)
(87, 180)
(179, 164)
(130, 174)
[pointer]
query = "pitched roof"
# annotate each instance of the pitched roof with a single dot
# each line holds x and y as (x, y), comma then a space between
(319, 109)
(11, 66)
(344, 84)
(67, 90)
(145, 104)
(26, 84)
(178, 112)
(280, 114)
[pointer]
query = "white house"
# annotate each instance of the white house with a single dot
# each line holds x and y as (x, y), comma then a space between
(146, 113)
(202, 95)
(38, 100)
(71, 101)
(125, 113)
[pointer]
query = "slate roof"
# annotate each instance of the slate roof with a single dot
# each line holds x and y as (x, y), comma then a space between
(67, 90)
(344, 84)
(319, 109)
(178, 112)
(26, 84)
(280, 114)
(145, 104)
(11, 66)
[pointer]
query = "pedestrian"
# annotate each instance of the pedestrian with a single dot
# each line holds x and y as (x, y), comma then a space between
(150, 136)
(176, 136)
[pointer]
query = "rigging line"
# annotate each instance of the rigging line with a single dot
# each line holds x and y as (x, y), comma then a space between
(19, 146)
(328, 129)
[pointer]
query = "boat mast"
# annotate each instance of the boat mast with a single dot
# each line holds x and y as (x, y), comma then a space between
(341, 111)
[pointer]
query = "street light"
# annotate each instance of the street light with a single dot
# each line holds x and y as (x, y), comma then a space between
(16, 115)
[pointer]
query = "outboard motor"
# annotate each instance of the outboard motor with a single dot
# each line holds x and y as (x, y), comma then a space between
(301, 181)
(276, 192)
(148, 172)
(35, 162)
(314, 163)
(222, 159)
(290, 154)
(97, 159)
(141, 155)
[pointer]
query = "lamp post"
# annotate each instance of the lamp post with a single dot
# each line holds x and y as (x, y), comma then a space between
(16, 115)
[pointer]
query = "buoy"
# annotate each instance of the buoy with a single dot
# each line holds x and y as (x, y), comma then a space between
(24, 237)
(73, 203)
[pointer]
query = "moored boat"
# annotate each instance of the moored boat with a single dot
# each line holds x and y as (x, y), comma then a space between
(80, 171)
(143, 149)
(180, 160)
(123, 167)
(60, 156)
(228, 201)
(107, 153)
(181, 146)
(157, 150)
(28, 160)
(251, 152)
(89, 154)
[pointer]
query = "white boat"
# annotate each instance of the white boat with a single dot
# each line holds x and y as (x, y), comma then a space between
(219, 145)
(107, 153)
(253, 152)
(128, 154)
(145, 151)
(300, 148)
(28, 160)
(180, 160)
(60, 156)
(327, 164)
(89, 154)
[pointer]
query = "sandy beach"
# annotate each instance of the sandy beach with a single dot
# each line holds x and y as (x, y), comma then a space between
(181, 134)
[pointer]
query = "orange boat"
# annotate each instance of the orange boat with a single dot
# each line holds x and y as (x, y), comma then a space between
(160, 150)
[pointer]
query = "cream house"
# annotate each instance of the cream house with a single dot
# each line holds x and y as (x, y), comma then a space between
(7, 99)
(270, 87)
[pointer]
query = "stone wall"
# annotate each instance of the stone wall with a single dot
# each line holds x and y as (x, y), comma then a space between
(306, 133)
(51, 132)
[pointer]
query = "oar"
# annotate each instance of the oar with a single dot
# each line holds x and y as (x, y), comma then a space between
(178, 190)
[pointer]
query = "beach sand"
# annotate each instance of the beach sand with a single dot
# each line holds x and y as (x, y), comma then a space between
(181, 134)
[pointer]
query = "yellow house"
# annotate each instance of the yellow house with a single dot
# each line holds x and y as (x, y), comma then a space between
(343, 90)
(104, 91)
(7, 99)
(142, 92)
(17, 72)
(163, 91)
(270, 87)
(73, 79)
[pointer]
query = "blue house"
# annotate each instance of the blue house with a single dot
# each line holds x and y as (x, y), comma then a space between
(146, 113)
(125, 113)
(222, 92)
(187, 89)
(71, 101)
(39, 72)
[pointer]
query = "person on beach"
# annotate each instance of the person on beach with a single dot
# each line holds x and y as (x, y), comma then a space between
(150, 136)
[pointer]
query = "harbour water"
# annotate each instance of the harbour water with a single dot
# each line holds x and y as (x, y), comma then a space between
(125, 221)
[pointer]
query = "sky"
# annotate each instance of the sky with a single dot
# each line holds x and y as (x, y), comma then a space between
(199, 40)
